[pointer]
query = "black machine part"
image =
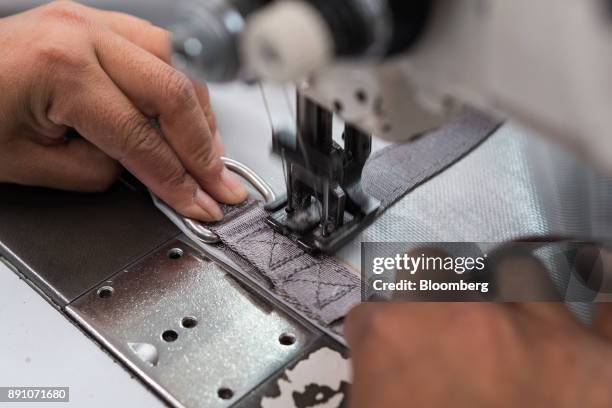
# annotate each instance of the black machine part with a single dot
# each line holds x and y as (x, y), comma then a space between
(352, 28)
(325, 204)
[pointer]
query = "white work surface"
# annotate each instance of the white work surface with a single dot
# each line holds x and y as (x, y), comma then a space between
(40, 347)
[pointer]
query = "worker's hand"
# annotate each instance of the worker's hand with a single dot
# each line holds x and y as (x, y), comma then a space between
(479, 355)
(476, 355)
(107, 76)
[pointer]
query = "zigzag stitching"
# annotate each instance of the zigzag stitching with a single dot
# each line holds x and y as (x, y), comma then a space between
(321, 303)
(272, 246)
(301, 269)
(319, 283)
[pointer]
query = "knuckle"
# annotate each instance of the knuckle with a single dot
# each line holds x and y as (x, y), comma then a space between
(142, 140)
(55, 54)
(174, 178)
(205, 155)
(180, 92)
(139, 136)
(68, 49)
(66, 12)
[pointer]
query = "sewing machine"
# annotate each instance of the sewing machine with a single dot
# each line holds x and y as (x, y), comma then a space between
(395, 69)
(127, 277)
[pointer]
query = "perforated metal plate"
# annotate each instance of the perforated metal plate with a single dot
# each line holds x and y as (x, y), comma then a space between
(189, 329)
(67, 243)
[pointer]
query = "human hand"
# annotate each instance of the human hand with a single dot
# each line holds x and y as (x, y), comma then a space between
(481, 354)
(106, 75)
(476, 354)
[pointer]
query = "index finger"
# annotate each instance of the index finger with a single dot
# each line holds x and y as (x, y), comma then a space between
(106, 118)
(155, 40)
(161, 92)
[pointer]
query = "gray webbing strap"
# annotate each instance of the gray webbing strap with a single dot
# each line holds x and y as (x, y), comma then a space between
(392, 172)
(321, 286)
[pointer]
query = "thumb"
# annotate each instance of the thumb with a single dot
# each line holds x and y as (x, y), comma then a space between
(76, 166)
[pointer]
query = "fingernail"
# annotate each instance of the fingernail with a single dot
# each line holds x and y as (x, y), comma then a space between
(209, 206)
(234, 185)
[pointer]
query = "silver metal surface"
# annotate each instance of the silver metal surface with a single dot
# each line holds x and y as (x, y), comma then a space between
(204, 234)
(139, 315)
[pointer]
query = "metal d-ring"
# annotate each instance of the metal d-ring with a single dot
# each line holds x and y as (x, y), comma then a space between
(208, 236)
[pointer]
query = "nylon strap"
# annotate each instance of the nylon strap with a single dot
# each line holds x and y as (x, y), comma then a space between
(321, 286)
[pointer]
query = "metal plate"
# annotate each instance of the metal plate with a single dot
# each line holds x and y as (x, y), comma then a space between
(236, 344)
(67, 243)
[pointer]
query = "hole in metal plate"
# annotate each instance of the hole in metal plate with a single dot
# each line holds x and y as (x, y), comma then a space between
(287, 339)
(105, 292)
(175, 253)
(240, 336)
(189, 322)
(225, 393)
(169, 336)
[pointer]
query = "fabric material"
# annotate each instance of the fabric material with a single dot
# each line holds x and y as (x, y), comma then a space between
(320, 286)
(393, 171)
